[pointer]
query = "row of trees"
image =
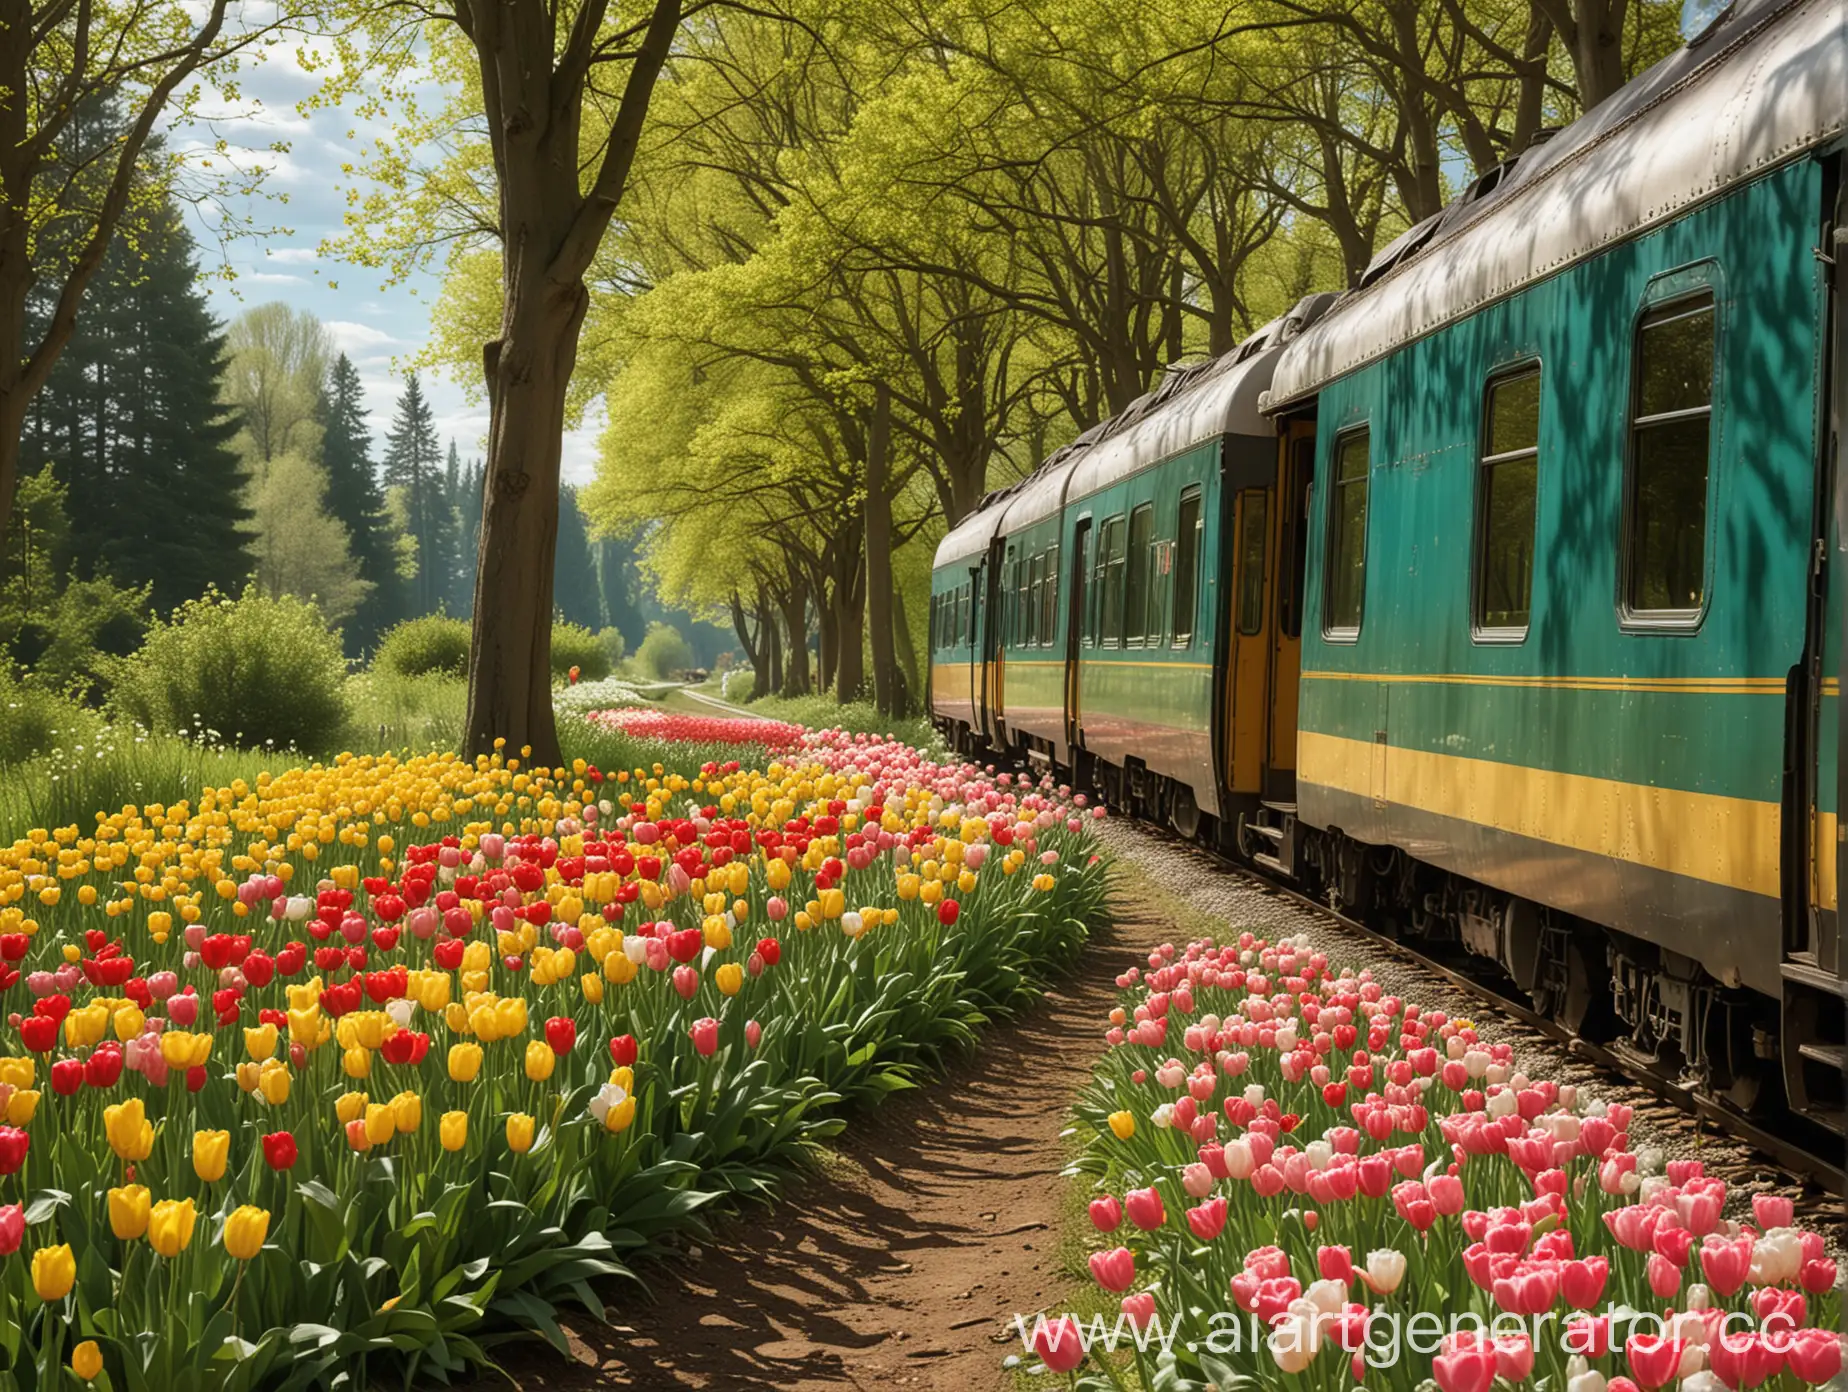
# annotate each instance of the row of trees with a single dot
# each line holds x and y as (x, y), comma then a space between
(872, 256)
(881, 260)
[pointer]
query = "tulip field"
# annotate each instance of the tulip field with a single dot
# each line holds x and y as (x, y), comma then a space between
(357, 1070)
(1303, 1181)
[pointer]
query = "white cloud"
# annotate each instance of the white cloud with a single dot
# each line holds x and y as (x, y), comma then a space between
(294, 256)
(269, 278)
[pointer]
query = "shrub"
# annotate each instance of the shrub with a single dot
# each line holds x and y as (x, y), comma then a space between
(663, 653)
(433, 643)
(250, 671)
(34, 721)
(573, 645)
(613, 645)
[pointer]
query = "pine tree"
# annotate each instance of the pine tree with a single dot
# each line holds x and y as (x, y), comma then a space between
(468, 532)
(412, 469)
(575, 592)
(132, 421)
(355, 498)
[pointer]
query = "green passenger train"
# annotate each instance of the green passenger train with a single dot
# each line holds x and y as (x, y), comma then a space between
(1501, 598)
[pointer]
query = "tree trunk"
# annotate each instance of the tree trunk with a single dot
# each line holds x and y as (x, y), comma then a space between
(879, 555)
(827, 639)
(795, 624)
(849, 624)
(741, 625)
(913, 698)
(510, 657)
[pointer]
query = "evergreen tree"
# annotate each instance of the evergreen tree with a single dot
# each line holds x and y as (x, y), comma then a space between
(413, 470)
(468, 533)
(355, 498)
(132, 421)
(576, 594)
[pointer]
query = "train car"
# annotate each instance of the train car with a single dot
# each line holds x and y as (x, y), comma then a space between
(1118, 580)
(1518, 610)
(1569, 681)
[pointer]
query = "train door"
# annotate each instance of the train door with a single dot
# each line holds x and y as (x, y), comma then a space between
(1248, 621)
(1290, 546)
(1074, 624)
(989, 643)
(1813, 1033)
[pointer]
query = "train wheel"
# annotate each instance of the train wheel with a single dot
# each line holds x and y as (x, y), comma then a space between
(1183, 813)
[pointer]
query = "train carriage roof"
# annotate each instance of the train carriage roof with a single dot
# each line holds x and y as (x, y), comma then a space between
(1191, 406)
(1767, 83)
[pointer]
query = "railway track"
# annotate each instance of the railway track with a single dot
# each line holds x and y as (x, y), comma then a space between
(1795, 1149)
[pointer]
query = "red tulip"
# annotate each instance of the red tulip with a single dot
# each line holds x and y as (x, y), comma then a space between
(1582, 1282)
(1106, 1213)
(13, 1146)
(561, 1033)
(1208, 1220)
(104, 1066)
(1653, 1359)
(39, 1033)
(66, 1077)
(946, 915)
(623, 1050)
(12, 1228)
(279, 1150)
(770, 950)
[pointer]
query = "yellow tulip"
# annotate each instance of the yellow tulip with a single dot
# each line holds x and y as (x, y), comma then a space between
(510, 1017)
(128, 1211)
(260, 1043)
(619, 1118)
(618, 968)
(131, 1135)
(54, 1272)
(592, 986)
(210, 1151)
(170, 1226)
(356, 1062)
(454, 1130)
(22, 1106)
(350, 1106)
(129, 1022)
(381, 1123)
(1123, 1125)
(246, 1230)
(540, 1060)
(87, 1358)
(464, 1062)
(407, 1112)
(274, 1082)
(520, 1133)
(729, 978)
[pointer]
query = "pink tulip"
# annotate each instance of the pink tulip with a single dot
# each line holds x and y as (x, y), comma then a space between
(1196, 1180)
(686, 981)
(1106, 1213)
(1514, 1358)
(1772, 1211)
(12, 1228)
(1466, 1370)
(1059, 1343)
(1664, 1276)
(1145, 1209)
(705, 1036)
(1114, 1270)
(1725, 1264)
(1815, 1355)
(1140, 1307)
(1582, 1282)
(1208, 1220)
(1654, 1360)
(752, 1033)
(1335, 1264)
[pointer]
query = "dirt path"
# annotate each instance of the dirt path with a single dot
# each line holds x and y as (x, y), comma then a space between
(898, 1263)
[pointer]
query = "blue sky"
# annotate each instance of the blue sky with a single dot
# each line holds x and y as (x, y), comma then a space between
(379, 327)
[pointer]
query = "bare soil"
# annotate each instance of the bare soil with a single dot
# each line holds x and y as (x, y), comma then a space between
(902, 1259)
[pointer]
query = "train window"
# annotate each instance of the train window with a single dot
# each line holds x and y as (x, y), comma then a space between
(1049, 608)
(1036, 597)
(1344, 592)
(1141, 567)
(1110, 566)
(1186, 567)
(1253, 530)
(1505, 502)
(1667, 550)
